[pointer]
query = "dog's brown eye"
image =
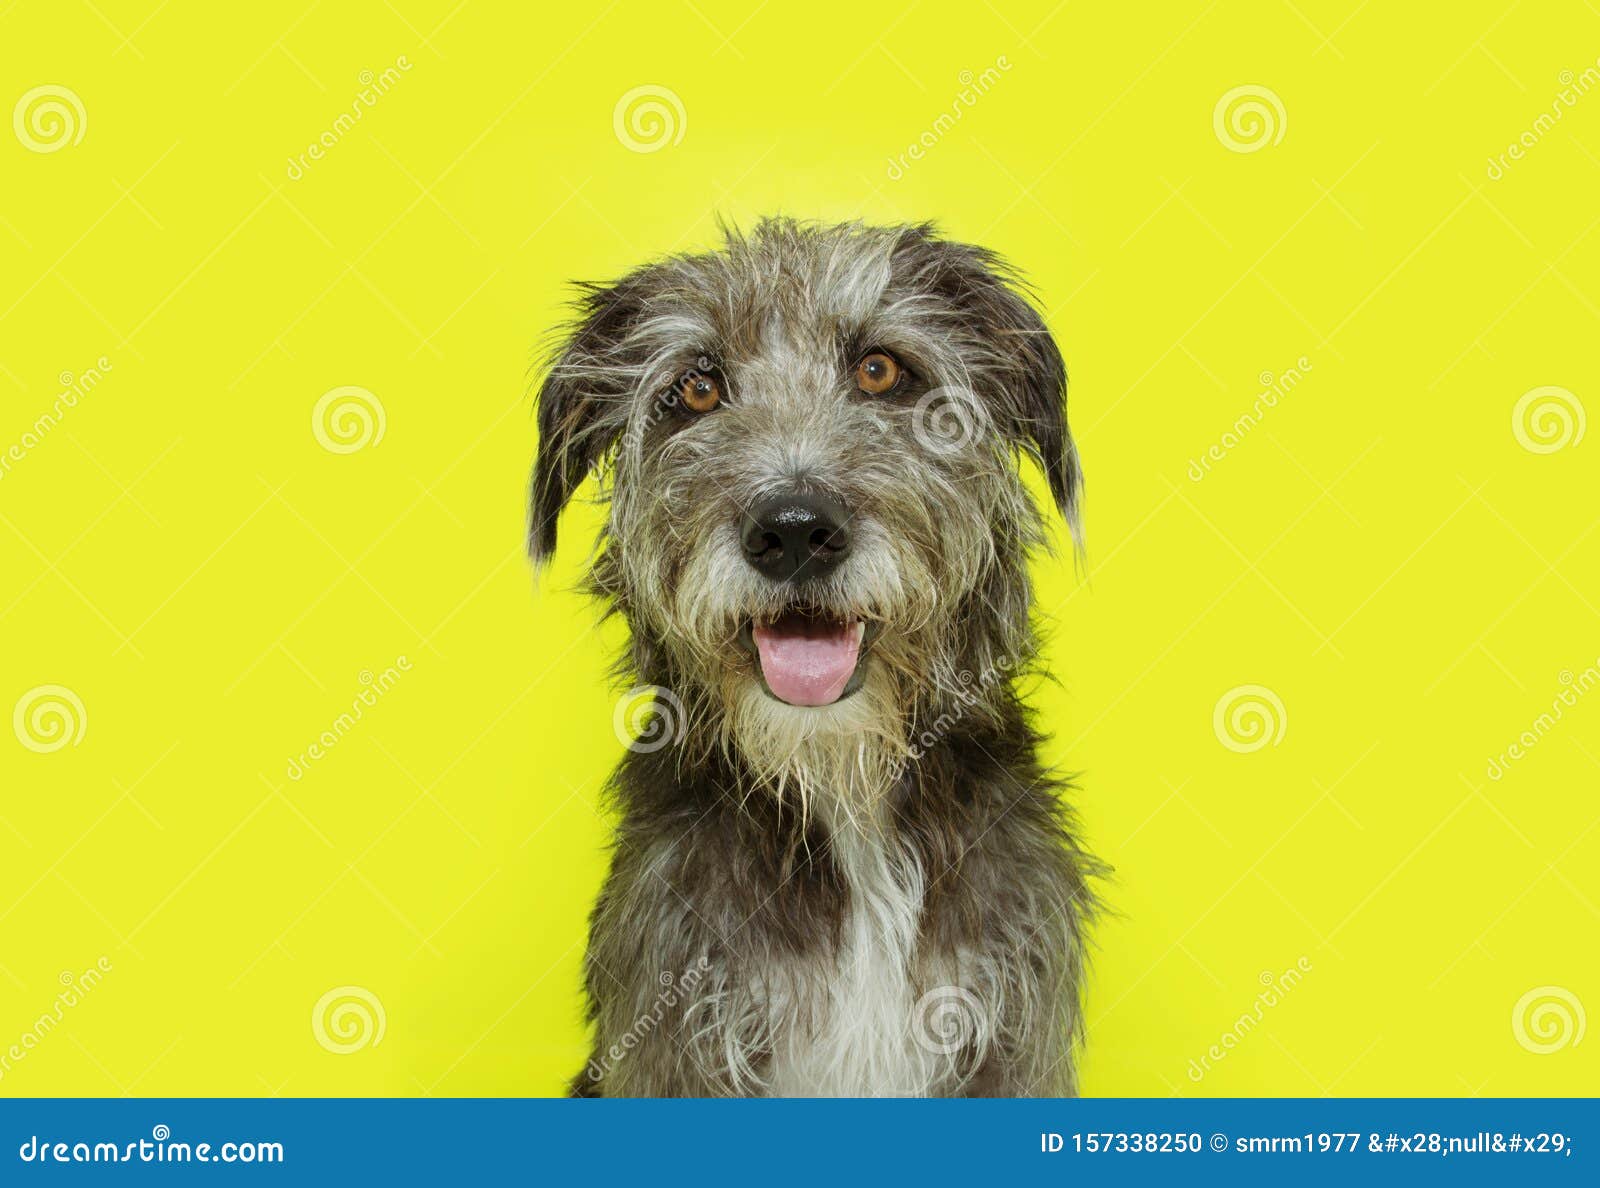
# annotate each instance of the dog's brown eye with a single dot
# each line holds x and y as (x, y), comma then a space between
(700, 392)
(877, 373)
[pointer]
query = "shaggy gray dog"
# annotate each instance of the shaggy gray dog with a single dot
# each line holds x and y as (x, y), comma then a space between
(840, 868)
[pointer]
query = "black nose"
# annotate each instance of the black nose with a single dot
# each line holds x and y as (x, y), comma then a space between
(795, 536)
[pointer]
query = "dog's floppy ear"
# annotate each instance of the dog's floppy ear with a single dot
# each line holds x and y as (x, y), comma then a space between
(1016, 359)
(1041, 396)
(582, 404)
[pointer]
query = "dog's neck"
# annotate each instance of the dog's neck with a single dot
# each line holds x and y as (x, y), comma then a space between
(839, 775)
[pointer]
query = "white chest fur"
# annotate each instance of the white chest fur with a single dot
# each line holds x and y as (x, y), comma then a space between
(870, 1017)
(845, 1025)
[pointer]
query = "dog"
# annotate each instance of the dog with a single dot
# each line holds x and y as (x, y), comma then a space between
(846, 872)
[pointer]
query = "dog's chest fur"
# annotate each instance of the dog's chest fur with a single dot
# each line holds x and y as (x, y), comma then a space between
(844, 1020)
(862, 928)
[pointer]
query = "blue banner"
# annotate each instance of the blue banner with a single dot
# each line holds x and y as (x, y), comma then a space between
(1293, 1141)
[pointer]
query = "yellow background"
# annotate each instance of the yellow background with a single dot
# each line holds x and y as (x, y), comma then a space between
(1380, 551)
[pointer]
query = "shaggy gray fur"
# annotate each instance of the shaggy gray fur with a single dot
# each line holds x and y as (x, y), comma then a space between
(880, 896)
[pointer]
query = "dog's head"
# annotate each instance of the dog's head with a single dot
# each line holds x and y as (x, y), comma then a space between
(809, 444)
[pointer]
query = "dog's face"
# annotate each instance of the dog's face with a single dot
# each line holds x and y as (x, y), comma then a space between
(809, 441)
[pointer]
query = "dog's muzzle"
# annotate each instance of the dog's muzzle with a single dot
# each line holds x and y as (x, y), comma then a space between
(806, 656)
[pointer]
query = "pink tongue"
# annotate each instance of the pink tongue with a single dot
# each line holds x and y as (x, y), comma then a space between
(807, 661)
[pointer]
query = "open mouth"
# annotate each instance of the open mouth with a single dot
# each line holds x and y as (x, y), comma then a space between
(808, 658)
